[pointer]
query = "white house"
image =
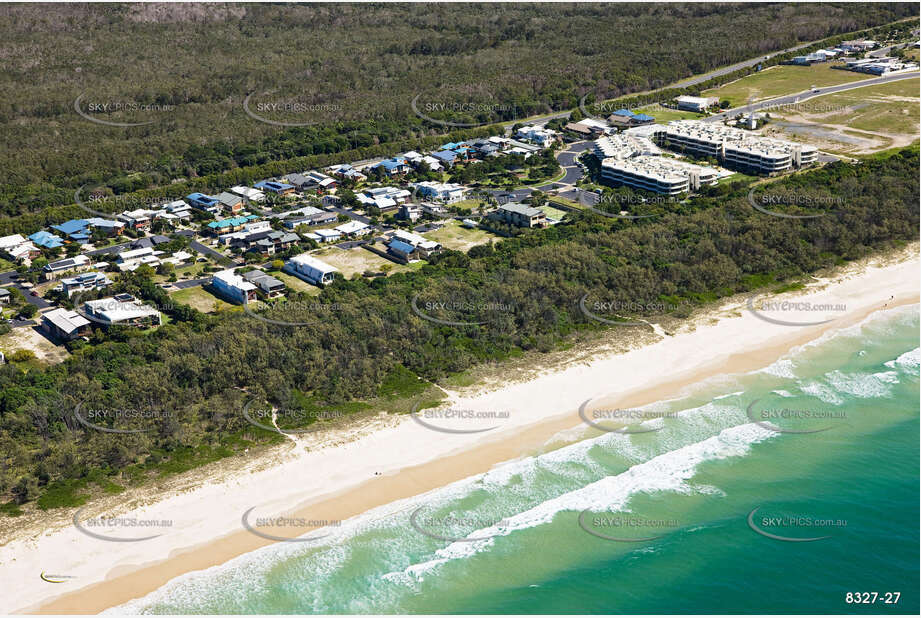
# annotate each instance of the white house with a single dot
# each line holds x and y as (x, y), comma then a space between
(253, 195)
(311, 269)
(353, 228)
(696, 104)
(541, 136)
(440, 191)
(233, 286)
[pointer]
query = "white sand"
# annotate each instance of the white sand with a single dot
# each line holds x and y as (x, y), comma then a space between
(212, 511)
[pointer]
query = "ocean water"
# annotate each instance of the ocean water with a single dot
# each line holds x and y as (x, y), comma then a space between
(703, 511)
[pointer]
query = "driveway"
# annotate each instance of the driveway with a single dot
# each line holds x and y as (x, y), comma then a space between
(191, 283)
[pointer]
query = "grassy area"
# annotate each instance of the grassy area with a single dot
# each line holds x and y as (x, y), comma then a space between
(357, 261)
(553, 213)
(914, 54)
(296, 284)
(859, 121)
(738, 176)
(471, 203)
(6, 265)
(201, 299)
(664, 114)
(781, 80)
(453, 235)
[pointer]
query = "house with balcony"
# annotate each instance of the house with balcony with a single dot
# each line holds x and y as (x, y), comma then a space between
(229, 284)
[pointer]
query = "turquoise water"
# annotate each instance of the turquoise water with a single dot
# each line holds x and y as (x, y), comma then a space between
(687, 489)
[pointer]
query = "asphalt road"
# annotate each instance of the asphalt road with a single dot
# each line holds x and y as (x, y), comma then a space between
(206, 250)
(350, 214)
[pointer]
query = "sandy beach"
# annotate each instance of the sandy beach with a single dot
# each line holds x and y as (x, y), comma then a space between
(405, 456)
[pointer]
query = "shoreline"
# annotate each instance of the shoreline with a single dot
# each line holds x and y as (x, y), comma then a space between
(372, 471)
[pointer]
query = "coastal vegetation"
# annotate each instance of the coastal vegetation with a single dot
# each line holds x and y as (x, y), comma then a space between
(183, 387)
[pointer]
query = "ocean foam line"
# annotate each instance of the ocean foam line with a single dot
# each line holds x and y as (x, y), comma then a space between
(669, 471)
(193, 588)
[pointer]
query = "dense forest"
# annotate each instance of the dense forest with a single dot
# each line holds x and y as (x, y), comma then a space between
(346, 75)
(194, 375)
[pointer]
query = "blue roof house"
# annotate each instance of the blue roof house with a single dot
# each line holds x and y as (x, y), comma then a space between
(278, 188)
(401, 249)
(46, 240)
(204, 202)
(393, 166)
(446, 156)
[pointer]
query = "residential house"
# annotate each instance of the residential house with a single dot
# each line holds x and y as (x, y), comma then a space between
(53, 270)
(121, 310)
(18, 248)
(233, 286)
(46, 240)
(230, 201)
(278, 188)
(626, 118)
(5, 296)
(423, 246)
(541, 136)
(84, 283)
(521, 215)
(131, 259)
(80, 230)
(440, 191)
(392, 167)
(383, 198)
(410, 212)
(445, 158)
(346, 172)
(267, 284)
(249, 194)
(312, 180)
(328, 235)
(402, 249)
(207, 203)
(226, 226)
(331, 201)
(138, 219)
(311, 269)
(353, 229)
(319, 218)
(65, 325)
